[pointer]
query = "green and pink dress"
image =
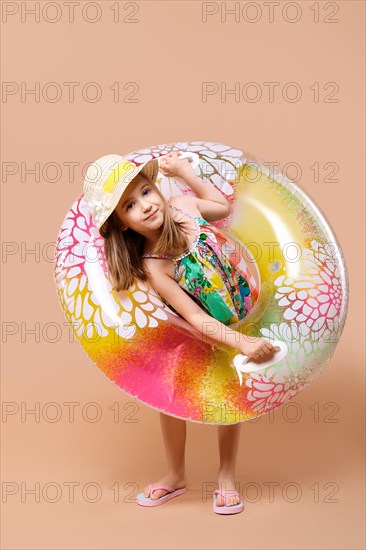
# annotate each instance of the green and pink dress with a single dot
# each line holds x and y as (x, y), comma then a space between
(214, 274)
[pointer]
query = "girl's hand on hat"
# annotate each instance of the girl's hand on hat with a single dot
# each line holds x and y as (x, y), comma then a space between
(171, 165)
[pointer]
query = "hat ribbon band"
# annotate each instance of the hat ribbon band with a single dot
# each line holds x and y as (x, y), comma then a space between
(117, 173)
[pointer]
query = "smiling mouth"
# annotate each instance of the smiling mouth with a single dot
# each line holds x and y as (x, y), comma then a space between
(150, 215)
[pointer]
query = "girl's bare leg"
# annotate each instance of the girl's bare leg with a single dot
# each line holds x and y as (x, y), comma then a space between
(228, 437)
(174, 432)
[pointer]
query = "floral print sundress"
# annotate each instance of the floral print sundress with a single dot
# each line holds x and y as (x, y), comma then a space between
(214, 274)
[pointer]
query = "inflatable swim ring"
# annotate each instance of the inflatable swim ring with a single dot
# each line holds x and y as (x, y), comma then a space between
(155, 356)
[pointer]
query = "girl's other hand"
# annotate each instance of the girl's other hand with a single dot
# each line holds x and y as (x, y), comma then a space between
(171, 165)
(257, 348)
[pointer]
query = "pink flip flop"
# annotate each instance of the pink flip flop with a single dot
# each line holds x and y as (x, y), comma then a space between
(234, 509)
(146, 501)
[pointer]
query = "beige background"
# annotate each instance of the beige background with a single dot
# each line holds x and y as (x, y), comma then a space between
(169, 52)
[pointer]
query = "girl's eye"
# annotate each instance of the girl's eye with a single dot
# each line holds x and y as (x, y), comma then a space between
(130, 203)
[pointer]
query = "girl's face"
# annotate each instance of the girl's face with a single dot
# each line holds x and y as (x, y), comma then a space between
(140, 207)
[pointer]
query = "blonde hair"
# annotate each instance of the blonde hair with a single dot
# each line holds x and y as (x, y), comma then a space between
(124, 249)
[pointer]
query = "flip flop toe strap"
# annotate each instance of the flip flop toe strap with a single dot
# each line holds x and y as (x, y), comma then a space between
(164, 487)
(227, 494)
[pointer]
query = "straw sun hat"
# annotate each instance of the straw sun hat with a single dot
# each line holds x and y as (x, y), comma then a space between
(107, 179)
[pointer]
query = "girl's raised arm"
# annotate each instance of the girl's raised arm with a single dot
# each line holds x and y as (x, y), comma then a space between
(172, 165)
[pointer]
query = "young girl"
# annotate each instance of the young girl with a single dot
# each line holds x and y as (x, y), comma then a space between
(172, 245)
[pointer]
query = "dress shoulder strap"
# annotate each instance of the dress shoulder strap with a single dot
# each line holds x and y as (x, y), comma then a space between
(183, 211)
(161, 256)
